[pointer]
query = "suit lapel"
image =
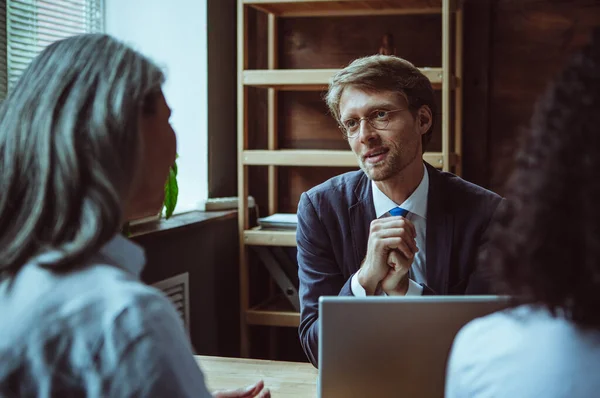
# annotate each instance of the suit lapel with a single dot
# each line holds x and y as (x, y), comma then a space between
(440, 227)
(361, 213)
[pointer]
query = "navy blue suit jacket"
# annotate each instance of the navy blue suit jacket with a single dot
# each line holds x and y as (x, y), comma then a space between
(333, 230)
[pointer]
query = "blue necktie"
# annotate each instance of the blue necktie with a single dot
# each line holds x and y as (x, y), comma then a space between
(398, 211)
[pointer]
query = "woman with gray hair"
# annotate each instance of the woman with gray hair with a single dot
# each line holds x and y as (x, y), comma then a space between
(86, 144)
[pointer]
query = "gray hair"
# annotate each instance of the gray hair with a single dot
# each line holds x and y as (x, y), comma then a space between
(69, 149)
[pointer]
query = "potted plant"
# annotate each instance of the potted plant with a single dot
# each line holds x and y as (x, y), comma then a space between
(171, 193)
(169, 203)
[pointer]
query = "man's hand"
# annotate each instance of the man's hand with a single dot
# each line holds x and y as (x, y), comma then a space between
(386, 235)
(257, 390)
(395, 282)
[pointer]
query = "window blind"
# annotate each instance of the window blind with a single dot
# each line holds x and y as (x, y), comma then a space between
(31, 25)
(3, 72)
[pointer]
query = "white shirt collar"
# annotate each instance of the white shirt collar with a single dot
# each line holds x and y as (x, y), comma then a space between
(416, 203)
(119, 251)
(125, 254)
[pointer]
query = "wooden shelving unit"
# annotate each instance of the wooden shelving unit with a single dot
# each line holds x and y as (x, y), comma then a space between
(320, 158)
(311, 79)
(298, 8)
(258, 237)
(273, 312)
(276, 311)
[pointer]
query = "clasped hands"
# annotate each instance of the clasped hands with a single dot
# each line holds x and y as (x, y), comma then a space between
(390, 252)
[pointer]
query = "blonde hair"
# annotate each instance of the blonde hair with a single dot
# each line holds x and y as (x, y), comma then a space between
(384, 73)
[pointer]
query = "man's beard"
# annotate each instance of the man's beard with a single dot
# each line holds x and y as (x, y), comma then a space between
(397, 159)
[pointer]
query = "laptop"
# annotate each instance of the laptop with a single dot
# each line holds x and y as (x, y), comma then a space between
(392, 346)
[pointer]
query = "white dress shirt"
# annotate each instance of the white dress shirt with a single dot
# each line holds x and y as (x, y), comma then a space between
(95, 331)
(416, 204)
(524, 352)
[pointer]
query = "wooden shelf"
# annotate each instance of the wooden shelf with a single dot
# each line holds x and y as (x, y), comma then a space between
(274, 312)
(270, 237)
(317, 157)
(327, 8)
(310, 79)
(446, 77)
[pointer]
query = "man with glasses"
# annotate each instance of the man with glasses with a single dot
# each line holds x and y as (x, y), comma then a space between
(398, 226)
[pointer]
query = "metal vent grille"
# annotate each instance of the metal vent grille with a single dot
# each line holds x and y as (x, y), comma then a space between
(176, 289)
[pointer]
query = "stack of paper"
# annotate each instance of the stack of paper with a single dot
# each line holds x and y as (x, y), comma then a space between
(279, 221)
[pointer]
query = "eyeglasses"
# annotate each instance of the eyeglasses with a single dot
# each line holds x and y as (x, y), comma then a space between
(378, 119)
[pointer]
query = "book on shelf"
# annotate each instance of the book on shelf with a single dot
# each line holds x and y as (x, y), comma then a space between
(279, 221)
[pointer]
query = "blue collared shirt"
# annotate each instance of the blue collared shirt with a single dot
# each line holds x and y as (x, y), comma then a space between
(96, 332)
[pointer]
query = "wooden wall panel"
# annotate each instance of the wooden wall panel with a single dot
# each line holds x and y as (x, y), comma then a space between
(257, 39)
(476, 85)
(531, 40)
(222, 89)
(295, 180)
(335, 41)
(257, 105)
(306, 123)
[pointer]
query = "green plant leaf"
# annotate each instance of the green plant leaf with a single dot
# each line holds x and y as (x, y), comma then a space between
(171, 192)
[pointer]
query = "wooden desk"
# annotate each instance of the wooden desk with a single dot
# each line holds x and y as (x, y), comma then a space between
(284, 379)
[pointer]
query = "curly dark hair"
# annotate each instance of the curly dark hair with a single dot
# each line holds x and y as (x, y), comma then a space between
(545, 244)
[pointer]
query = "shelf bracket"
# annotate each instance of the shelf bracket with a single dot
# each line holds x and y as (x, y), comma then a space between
(275, 260)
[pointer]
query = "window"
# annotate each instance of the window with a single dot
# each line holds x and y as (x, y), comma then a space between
(3, 72)
(31, 25)
(175, 37)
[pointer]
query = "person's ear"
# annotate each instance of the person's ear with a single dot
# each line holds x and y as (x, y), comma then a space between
(424, 119)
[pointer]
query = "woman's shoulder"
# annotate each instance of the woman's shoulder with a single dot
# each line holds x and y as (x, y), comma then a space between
(127, 310)
(498, 324)
(118, 289)
(103, 295)
(522, 330)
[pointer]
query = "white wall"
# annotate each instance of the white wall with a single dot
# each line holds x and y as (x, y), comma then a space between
(173, 34)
